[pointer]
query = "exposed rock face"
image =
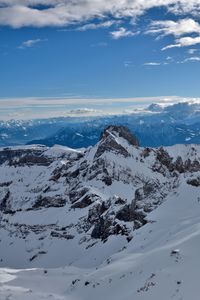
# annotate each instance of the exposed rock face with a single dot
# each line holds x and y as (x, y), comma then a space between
(126, 213)
(178, 165)
(24, 157)
(86, 196)
(110, 140)
(85, 201)
(194, 182)
(42, 202)
(120, 131)
(4, 205)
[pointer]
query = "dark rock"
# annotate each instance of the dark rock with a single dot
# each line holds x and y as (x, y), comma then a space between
(122, 131)
(6, 184)
(125, 214)
(108, 140)
(85, 201)
(21, 157)
(48, 202)
(76, 194)
(75, 173)
(102, 229)
(194, 182)
(55, 177)
(179, 166)
(162, 156)
(107, 226)
(4, 205)
(33, 257)
(120, 201)
(139, 219)
(129, 214)
(146, 152)
(139, 194)
(107, 180)
(62, 235)
(96, 211)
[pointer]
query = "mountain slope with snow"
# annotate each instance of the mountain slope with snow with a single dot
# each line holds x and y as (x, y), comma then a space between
(115, 220)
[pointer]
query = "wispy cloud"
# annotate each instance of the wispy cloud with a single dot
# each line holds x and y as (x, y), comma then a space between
(180, 29)
(183, 42)
(192, 51)
(122, 33)
(154, 64)
(31, 43)
(191, 59)
(92, 26)
(128, 63)
(175, 28)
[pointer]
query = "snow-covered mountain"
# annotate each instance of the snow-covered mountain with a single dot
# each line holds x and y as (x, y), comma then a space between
(156, 125)
(114, 221)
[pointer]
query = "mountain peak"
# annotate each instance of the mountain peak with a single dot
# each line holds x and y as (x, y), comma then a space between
(113, 131)
(116, 139)
(154, 107)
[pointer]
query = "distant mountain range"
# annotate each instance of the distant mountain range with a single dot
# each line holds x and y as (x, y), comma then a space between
(154, 126)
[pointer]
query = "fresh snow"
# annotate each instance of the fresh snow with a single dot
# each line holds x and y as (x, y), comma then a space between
(146, 269)
(160, 262)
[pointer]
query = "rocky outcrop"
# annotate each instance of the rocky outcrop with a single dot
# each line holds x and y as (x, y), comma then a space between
(194, 181)
(85, 201)
(4, 204)
(109, 140)
(25, 157)
(121, 132)
(46, 202)
(163, 160)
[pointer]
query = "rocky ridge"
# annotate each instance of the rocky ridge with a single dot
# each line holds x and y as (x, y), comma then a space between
(71, 202)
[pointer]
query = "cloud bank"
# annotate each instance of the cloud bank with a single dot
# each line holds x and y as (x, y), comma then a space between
(43, 108)
(40, 13)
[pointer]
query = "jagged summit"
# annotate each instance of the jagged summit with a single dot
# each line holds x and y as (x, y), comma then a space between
(114, 131)
(116, 139)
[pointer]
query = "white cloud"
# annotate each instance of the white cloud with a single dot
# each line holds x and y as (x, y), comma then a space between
(175, 28)
(180, 30)
(30, 43)
(192, 51)
(105, 24)
(84, 111)
(152, 64)
(61, 13)
(169, 59)
(43, 108)
(19, 13)
(183, 42)
(121, 33)
(191, 59)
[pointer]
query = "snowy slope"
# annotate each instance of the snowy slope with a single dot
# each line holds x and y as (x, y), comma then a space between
(107, 219)
(146, 269)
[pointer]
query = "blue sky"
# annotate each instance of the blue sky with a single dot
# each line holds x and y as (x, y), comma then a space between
(106, 49)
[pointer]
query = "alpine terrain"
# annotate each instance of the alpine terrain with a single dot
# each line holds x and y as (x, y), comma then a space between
(113, 221)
